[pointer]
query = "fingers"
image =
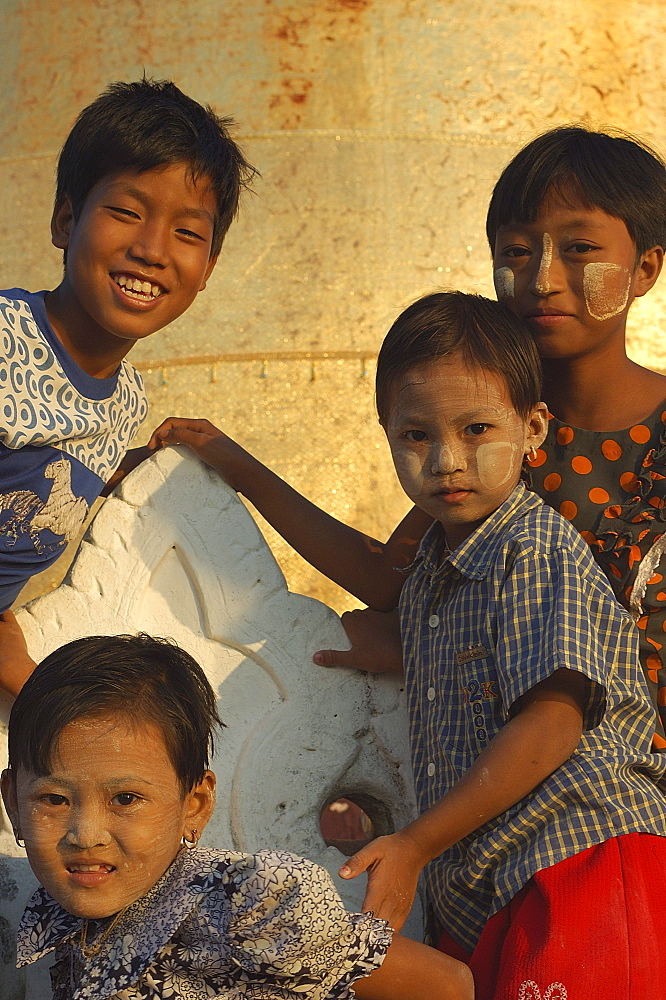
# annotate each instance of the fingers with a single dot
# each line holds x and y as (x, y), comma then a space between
(360, 861)
(169, 431)
(334, 658)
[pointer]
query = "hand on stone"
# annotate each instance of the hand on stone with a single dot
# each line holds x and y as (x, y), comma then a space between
(393, 865)
(211, 444)
(375, 641)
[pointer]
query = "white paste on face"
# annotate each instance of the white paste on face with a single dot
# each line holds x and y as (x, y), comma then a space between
(494, 463)
(543, 277)
(504, 282)
(606, 289)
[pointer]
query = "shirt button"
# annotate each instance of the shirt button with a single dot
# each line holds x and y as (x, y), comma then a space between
(431, 769)
(433, 621)
(431, 694)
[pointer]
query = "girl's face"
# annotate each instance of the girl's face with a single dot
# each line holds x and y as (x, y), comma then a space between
(107, 822)
(572, 274)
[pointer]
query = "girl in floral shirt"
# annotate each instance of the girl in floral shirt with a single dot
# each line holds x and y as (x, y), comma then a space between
(109, 788)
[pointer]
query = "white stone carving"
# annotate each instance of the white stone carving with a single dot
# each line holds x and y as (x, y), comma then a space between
(175, 553)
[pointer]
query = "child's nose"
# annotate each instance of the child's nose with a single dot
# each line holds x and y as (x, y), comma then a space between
(150, 245)
(546, 272)
(87, 829)
(444, 459)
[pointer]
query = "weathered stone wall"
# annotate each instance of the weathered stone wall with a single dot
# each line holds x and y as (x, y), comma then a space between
(379, 127)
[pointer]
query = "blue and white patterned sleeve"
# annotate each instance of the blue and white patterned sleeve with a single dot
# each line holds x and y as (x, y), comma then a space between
(289, 926)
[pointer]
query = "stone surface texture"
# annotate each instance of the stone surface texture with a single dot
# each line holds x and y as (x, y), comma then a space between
(174, 553)
(379, 127)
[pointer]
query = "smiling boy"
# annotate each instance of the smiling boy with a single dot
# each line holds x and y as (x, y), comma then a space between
(148, 184)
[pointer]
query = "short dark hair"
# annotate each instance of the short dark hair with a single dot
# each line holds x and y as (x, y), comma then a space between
(613, 171)
(484, 333)
(146, 124)
(136, 676)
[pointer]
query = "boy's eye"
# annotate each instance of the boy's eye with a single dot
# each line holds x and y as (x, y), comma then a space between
(123, 211)
(52, 799)
(416, 435)
(476, 429)
(191, 234)
(581, 248)
(517, 251)
(125, 799)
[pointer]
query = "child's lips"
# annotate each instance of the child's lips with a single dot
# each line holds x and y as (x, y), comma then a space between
(454, 495)
(90, 873)
(137, 289)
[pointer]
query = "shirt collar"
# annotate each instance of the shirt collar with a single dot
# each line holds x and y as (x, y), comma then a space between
(476, 554)
(129, 951)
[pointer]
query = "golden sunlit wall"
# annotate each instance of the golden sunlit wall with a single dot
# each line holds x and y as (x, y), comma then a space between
(379, 128)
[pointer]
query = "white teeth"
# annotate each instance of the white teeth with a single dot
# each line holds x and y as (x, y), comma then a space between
(131, 285)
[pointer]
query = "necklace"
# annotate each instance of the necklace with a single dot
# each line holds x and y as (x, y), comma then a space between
(90, 950)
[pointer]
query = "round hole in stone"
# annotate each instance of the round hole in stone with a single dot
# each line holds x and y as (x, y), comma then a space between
(345, 825)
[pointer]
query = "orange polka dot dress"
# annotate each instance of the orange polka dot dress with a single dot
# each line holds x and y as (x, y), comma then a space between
(612, 487)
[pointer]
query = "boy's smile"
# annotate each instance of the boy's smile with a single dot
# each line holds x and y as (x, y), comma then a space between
(572, 274)
(137, 256)
(104, 826)
(457, 442)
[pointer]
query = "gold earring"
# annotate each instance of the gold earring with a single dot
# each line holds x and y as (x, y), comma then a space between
(191, 842)
(532, 454)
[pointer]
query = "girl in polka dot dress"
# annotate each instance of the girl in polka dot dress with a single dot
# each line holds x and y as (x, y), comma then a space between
(577, 224)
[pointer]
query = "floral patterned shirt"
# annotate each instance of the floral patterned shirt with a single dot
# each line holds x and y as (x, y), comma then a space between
(218, 924)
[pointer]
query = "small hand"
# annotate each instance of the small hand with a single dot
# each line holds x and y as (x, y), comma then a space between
(393, 865)
(375, 640)
(211, 444)
(15, 662)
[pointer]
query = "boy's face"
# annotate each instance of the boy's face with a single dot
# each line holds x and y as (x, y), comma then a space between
(103, 827)
(457, 442)
(137, 255)
(572, 274)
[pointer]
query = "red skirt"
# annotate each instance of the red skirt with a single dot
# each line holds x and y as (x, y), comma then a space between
(588, 928)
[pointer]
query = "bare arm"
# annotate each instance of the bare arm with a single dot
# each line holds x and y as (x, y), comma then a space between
(360, 564)
(543, 732)
(413, 971)
(132, 458)
(15, 663)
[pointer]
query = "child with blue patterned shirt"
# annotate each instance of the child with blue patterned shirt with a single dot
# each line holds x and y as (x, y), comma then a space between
(148, 184)
(109, 789)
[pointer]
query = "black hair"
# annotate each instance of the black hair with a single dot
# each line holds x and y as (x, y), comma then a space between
(146, 124)
(484, 333)
(136, 676)
(615, 172)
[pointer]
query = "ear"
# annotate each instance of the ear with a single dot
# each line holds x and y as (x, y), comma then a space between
(537, 427)
(62, 223)
(8, 785)
(209, 270)
(648, 270)
(199, 805)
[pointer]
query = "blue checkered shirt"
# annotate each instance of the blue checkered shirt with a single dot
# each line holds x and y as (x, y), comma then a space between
(521, 598)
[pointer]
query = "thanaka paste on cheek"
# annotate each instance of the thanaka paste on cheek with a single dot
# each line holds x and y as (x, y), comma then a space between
(543, 277)
(504, 282)
(494, 463)
(606, 289)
